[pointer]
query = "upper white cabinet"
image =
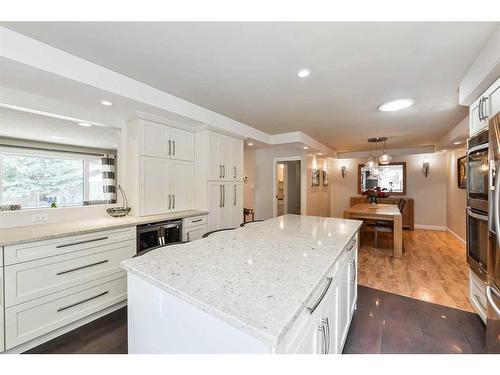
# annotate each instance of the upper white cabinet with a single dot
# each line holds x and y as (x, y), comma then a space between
(161, 168)
(485, 107)
(225, 155)
(161, 141)
(219, 178)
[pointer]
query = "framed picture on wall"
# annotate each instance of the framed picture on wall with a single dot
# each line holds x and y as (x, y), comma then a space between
(462, 172)
(315, 177)
(325, 178)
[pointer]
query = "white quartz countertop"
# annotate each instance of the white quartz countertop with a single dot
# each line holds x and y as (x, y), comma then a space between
(257, 278)
(10, 236)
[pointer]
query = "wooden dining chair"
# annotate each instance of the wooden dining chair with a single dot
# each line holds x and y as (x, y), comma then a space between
(387, 226)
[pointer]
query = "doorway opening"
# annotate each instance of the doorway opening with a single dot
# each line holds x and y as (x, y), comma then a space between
(287, 187)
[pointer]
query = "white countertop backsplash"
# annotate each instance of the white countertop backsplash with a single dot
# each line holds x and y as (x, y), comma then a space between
(257, 278)
(16, 235)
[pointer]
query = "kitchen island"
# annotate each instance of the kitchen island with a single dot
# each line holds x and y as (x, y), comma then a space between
(284, 285)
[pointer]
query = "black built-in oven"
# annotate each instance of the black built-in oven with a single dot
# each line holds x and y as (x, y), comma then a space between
(154, 235)
(478, 182)
(477, 242)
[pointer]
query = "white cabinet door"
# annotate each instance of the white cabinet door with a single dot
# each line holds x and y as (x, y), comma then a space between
(353, 285)
(195, 233)
(311, 341)
(215, 205)
(343, 305)
(235, 203)
(494, 102)
(154, 185)
(225, 218)
(2, 344)
(236, 166)
(182, 145)
(329, 313)
(214, 157)
(475, 123)
(225, 157)
(153, 140)
(182, 185)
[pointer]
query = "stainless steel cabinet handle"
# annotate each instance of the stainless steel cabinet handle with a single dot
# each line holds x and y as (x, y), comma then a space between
(479, 301)
(489, 292)
(220, 171)
(322, 330)
(82, 301)
(173, 201)
(82, 267)
(223, 195)
(197, 220)
(81, 242)
(169, 147)
(234, 172)
(353, 263)
(234, 195)
(479, 109)
(353, 242)
(223, 171)
(187, 236)
(220, 195)
(483, 112)
(316, 304)
(326, 324)
(173, 147)
(169, 201)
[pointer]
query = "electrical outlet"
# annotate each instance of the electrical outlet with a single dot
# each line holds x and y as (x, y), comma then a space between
(38, 218)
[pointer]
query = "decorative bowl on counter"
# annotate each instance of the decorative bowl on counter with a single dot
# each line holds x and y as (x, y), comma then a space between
(120, 211)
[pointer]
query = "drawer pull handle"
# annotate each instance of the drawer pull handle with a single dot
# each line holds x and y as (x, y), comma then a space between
(83, 301)
(82, 267)
(316, 304)
(81, 242)
(479, 301)
(197, 220)
(353, 242)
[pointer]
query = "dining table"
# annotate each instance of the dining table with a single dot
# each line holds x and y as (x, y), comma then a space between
(386, 212)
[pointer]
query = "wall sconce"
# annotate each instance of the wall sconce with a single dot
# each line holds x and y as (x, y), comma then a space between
(343, 170)
(425, 168)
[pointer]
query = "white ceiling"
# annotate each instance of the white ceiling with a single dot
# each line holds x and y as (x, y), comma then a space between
(247, 71)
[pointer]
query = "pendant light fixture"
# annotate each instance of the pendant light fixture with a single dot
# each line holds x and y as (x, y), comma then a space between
(372, 162)
(385, 158)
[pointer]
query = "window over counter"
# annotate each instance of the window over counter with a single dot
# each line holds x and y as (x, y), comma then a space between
(36, 178)
(392, 177)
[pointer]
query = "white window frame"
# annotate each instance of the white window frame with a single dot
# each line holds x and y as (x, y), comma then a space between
(21, 151)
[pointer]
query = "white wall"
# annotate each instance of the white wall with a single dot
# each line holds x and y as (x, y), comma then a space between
(429, 193)
(456, 198)
(318, 197)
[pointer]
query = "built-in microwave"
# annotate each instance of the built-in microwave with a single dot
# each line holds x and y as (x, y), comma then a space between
(478, 175)
(154, 235)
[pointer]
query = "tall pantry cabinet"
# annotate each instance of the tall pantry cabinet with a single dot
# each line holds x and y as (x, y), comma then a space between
(219, 178)
(160, 168)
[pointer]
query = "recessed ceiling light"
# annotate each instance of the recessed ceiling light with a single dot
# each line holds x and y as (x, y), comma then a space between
(303, 73)
(84, 124)
(306, 148)
(250, 143)
(106, 102)
(320, 153)
(444, 150)
(56, 137)
(457, 143)
(115, 146)
(396, 105)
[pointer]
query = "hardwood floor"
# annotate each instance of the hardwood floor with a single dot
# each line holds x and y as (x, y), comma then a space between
(386, 323)
(433, 267)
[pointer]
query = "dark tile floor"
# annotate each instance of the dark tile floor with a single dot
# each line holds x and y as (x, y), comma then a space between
(383, 323)
(389, 323)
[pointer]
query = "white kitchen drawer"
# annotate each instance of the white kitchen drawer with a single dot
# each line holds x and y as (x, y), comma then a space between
(194, 233)
(195, 221)
(41, 249)
(32, 319)
(477, 295)
(30, 280)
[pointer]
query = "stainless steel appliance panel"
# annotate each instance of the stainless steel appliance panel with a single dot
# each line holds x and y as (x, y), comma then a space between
(477, 242)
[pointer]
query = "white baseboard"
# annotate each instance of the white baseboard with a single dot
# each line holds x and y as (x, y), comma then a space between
(455, 235)
(430, 227)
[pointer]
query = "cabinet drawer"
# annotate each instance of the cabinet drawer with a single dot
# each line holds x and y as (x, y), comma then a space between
(195, 221)
(29, 280)
(478, 299)
(29, 320)
(194, 233)
(42, 249)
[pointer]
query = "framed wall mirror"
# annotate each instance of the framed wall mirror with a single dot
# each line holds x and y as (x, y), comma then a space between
(392, 177)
